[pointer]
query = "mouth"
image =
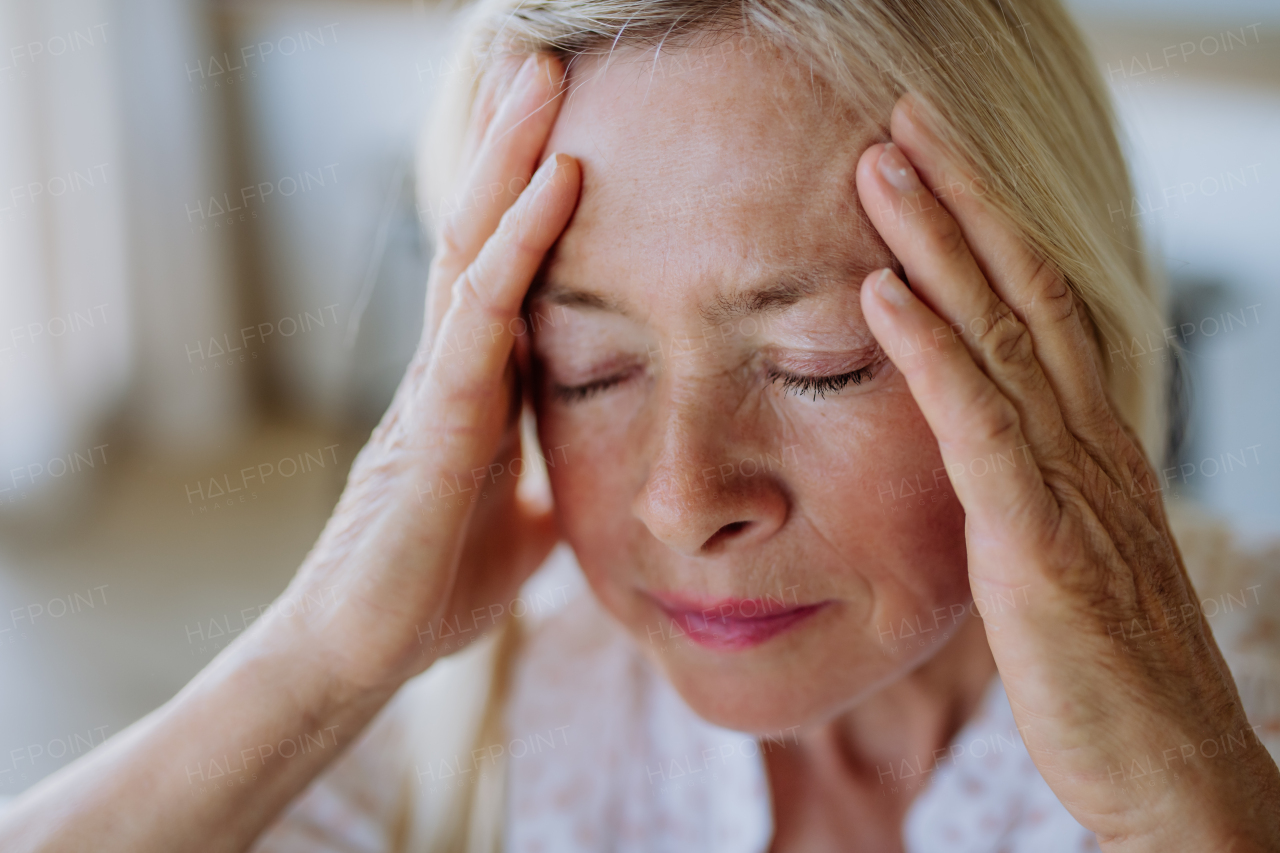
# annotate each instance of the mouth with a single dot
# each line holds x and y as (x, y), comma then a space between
(731, 624)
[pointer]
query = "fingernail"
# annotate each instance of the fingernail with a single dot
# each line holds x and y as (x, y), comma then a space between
(526, 73)
(890, 289)
(908, 105)
(896, 170)
(512, 87)
(547, 171)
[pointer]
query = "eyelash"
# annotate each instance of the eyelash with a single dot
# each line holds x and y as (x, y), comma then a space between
(579, 393)
(818, 386)
(801, 386)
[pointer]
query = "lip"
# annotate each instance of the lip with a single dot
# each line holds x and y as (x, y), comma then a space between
(732, 624)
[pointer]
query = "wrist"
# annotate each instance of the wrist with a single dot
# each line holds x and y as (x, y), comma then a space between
(306, 661)
(362, 638)
(1236, 810)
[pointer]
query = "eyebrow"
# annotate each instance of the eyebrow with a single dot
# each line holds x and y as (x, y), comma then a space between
(571, 297)
(777, 296)
(770, 299)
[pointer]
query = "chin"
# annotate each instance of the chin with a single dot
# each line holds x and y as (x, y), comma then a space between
(765, 693)
(799, 681)
(766, 707)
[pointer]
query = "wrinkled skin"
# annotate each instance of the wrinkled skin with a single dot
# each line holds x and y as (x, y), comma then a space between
(662, 379)
(1066, 532)
(676, 219)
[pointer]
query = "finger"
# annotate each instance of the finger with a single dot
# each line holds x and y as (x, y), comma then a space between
(528, 521)
(942, 271)
(529, 534)
(464, 400)
(1039, 295)
(978, 429)
(512, 143)
(495, 83)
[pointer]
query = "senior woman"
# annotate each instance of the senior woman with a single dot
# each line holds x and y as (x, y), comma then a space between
(861, 245)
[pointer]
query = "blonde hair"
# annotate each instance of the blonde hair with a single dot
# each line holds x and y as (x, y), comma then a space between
(1021, 100)
(1022, 104)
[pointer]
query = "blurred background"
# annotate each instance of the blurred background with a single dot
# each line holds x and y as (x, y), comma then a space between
(212, 263)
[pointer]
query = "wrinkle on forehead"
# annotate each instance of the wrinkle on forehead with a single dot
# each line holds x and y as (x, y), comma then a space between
(708, 52)
(764, 91)
(737, 165)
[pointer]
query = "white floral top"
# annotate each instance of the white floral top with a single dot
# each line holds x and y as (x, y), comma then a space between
(600, 753)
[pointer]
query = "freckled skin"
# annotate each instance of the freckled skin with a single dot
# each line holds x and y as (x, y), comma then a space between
(694, 187)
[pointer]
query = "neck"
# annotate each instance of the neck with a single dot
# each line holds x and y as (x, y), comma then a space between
(918, 714)
(846, 788)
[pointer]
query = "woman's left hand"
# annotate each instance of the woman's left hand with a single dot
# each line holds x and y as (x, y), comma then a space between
(1065, 525)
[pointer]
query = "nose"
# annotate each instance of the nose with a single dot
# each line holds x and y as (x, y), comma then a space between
(702, 498)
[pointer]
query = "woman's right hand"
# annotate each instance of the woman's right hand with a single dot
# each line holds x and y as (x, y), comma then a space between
(429, 528)
(395, 557)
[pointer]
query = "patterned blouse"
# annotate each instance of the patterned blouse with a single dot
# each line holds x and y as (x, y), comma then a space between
(582, 745)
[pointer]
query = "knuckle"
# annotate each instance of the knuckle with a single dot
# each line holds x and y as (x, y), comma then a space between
(1058, 300)
(449, 242)
(1097, 418)
(520, 228)
(1006, 339)
(998, 420)
(948, 240)
(480, 270)
(468, 291)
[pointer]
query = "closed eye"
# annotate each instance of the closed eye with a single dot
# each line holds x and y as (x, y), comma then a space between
(818, 386)
(579, 393)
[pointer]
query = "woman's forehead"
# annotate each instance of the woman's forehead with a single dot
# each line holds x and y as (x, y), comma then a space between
(700, 161)
(745, 119)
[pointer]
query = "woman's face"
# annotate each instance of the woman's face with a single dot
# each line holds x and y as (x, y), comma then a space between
(745, 478)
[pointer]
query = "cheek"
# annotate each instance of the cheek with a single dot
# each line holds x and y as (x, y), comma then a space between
(591, 484)
(871, 482)
(870, 497)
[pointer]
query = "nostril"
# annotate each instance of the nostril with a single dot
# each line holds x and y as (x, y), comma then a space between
(726, 532)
